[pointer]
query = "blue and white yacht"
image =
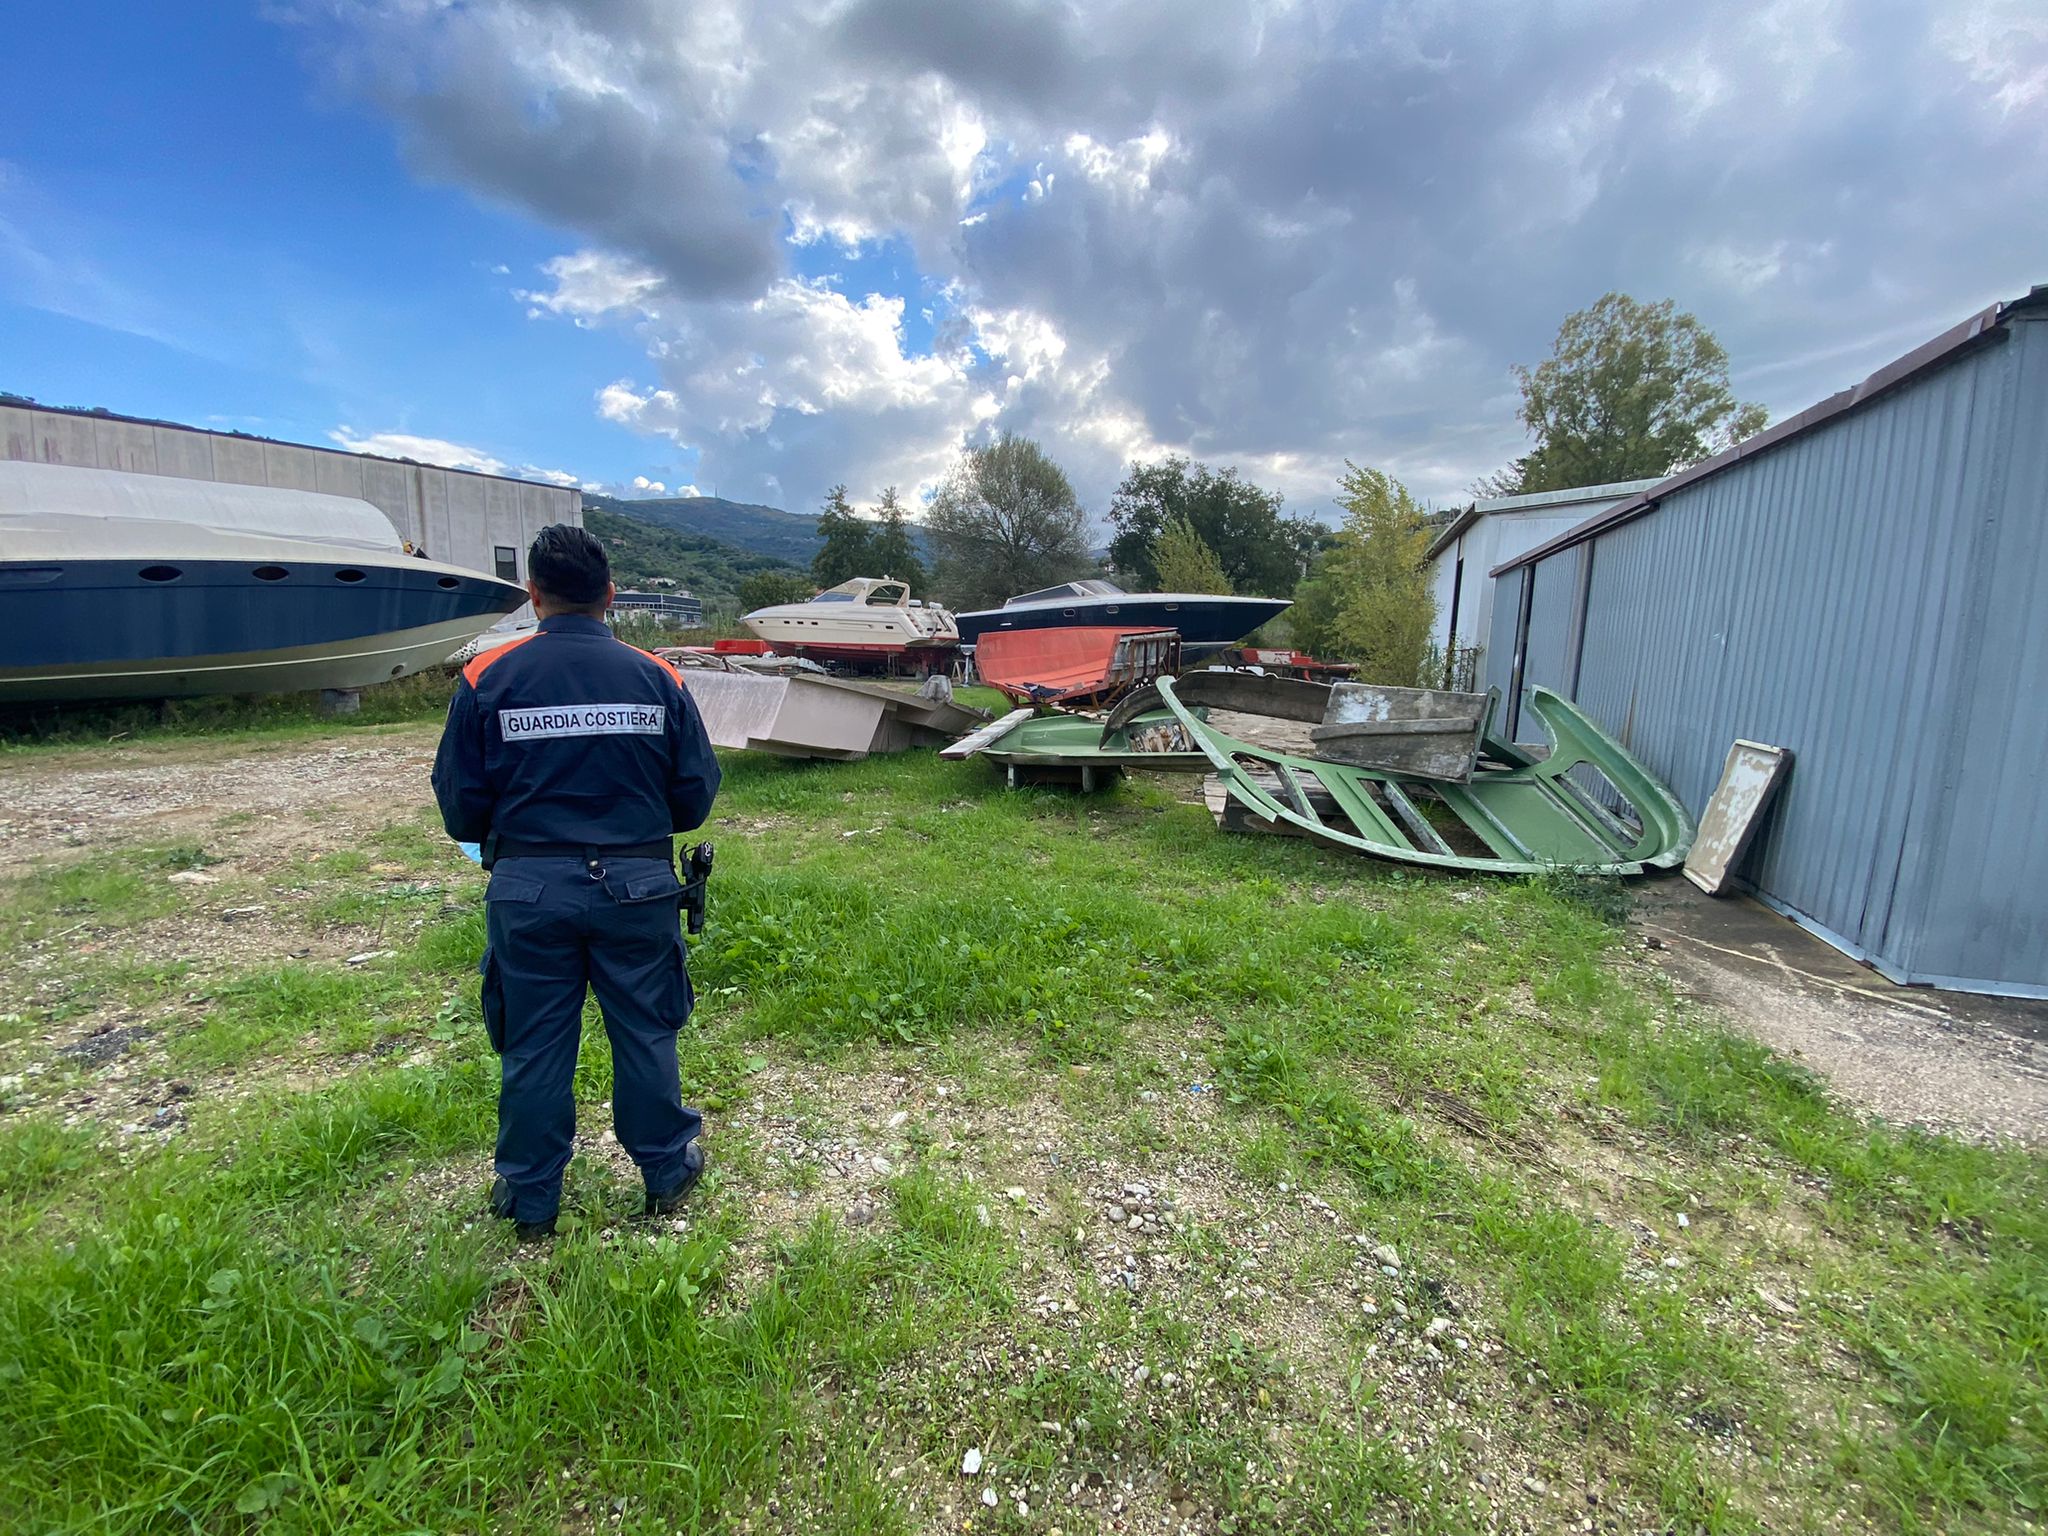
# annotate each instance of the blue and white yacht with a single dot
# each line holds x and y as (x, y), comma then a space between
(1207, 623)
(117, 585)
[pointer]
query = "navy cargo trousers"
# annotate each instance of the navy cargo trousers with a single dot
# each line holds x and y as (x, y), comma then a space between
(555, 926)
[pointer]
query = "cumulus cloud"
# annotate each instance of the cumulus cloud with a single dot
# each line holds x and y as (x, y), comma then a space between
(438, 450)
(1266, 232)
(593, 285)
(803, 386)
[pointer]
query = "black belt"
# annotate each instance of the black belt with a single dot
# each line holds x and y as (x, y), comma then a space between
(591, 853)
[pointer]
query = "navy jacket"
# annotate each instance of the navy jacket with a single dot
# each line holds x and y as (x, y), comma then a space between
(570, 736)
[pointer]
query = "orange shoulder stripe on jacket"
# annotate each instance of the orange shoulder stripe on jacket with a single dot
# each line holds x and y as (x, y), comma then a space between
(475, 669)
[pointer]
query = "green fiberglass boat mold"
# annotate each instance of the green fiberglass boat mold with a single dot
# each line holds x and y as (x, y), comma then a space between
(1520, 813)
(1585, 805)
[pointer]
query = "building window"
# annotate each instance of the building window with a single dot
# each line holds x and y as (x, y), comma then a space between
(508, 562)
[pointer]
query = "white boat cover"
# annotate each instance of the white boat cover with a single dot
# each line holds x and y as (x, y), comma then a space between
(32, 490)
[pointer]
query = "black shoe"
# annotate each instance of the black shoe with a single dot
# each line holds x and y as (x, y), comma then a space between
(524, 1231)
(669, 1201)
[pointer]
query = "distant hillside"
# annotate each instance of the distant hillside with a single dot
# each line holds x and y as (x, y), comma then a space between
(641, 551)
(789, 537)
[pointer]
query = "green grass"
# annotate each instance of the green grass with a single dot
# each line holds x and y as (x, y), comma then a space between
(293, 1314)
(104, 892)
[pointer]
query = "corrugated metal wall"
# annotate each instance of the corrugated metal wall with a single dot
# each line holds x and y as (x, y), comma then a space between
(1500, 639)
(1867, 594)
(1973, 899)
(442, 509)
(1552, 632)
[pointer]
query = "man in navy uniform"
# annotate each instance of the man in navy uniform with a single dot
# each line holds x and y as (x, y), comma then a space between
(572, 758)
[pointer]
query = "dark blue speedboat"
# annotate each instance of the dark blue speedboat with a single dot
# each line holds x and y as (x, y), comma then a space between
(119, 585)
(1207, 623)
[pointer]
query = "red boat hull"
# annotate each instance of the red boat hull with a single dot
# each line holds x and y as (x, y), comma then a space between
(1076, 665)
(893, 658)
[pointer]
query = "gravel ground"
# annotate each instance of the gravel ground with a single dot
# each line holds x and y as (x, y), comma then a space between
(73, 800)
(1970, 1066)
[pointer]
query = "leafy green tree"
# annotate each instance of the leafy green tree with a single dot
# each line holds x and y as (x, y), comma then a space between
(1317, 601)
(1369, 601)
(770, 589)
(1184, 563)
(1259, 549)
(1630, 391)
(849, 548)
(1503, 482)
(894, 547)
(1005, 521)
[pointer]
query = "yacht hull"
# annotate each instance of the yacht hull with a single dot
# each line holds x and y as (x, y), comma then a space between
(1206, 624)
(927, 656)
(103, 629)
(863, 622)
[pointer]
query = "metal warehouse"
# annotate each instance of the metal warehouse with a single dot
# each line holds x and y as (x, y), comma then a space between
(481, 521)
(1862, 584)
(1488, 533)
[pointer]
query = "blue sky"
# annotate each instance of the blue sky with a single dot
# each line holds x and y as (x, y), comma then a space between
(192, 226)
(765, 247)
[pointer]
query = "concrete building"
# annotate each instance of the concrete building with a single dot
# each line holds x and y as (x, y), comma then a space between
(484, 522)
(679, 609)
(1488, 533)
(1861, 583)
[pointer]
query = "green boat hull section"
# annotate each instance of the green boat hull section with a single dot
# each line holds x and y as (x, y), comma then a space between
(1519, 815)
(1078, 741)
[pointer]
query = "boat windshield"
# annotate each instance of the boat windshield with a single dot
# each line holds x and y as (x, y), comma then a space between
(888, 596)
(833, 597)
(1089, 588)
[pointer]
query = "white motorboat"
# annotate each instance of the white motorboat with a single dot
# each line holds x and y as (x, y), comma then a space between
(866, 620)
(120, 585)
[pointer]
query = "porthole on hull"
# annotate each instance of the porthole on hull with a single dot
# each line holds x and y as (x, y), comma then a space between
(270, 573)
(160, 573)
(350, 574)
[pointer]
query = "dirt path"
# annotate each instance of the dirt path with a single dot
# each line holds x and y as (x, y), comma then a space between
(1971, 1066)
(81, 800)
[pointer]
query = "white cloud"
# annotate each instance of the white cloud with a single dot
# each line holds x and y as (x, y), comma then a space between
(1261, 231)
(593, 285)
(438, 450)
(423, 450)
(1127, 167)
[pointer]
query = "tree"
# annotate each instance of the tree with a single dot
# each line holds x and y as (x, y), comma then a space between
(849, 548)
(1260, 551)
(1312, 620)
(894, 549)
(1005, 521)
(1184, 563)
(1369, 600)
(1630, 391)
(1502, 482)
(770, 589)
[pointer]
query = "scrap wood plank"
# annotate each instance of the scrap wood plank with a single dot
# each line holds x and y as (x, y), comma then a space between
(987, 736)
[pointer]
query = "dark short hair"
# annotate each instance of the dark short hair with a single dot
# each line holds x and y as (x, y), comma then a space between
(569, 565)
